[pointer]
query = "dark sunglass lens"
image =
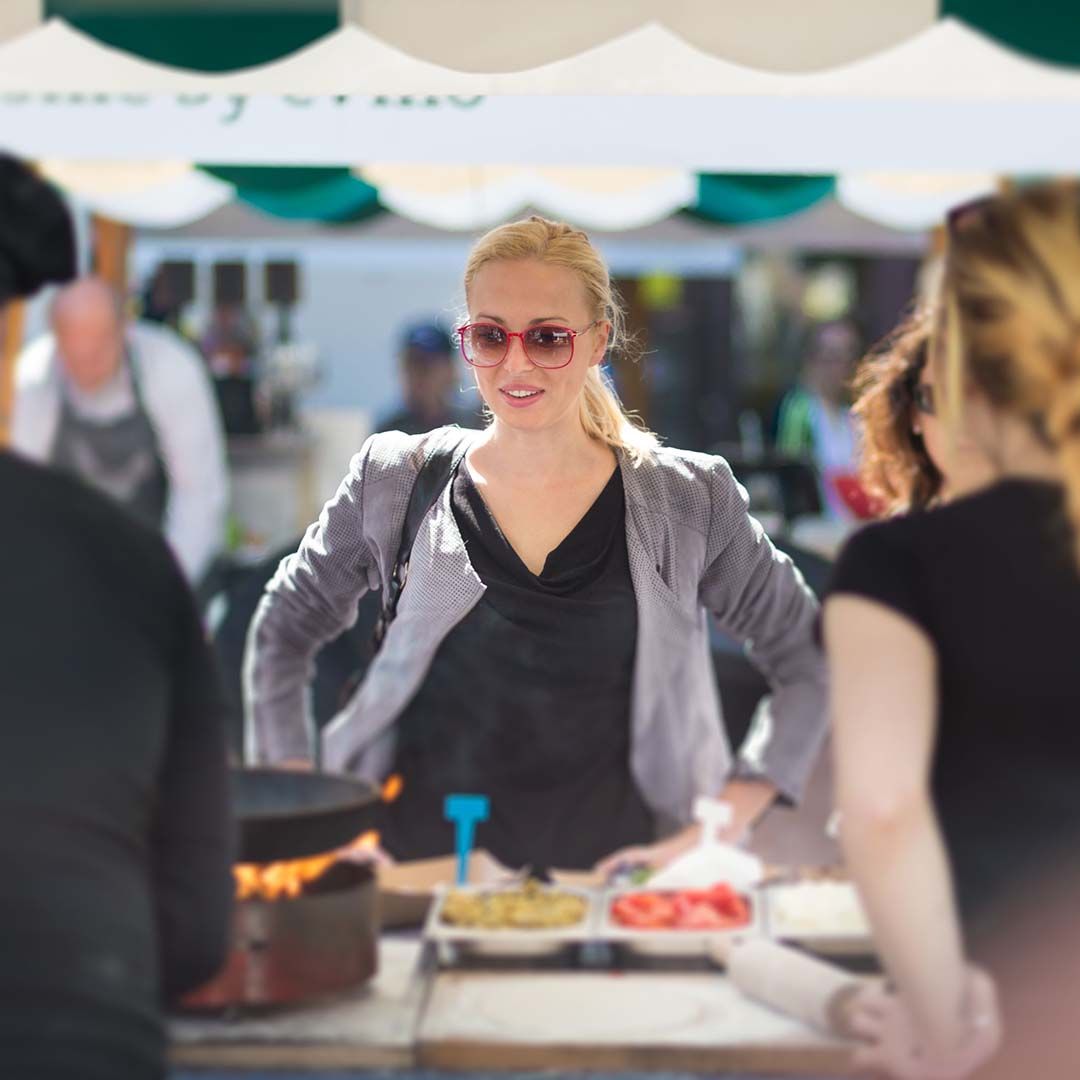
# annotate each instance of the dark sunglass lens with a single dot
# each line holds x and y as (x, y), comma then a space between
(924, 399)
(549, 346)
(484, 344)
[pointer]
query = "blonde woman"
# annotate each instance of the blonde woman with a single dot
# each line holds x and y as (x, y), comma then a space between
(953, 636)
(550, 648)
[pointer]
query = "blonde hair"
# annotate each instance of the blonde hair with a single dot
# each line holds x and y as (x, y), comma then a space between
(1011, 310)
(602, 414)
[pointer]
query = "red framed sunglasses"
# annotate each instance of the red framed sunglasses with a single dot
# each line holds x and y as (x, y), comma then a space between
(549, 345)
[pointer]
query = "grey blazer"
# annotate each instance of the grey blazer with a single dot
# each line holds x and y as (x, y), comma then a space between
(693, 549)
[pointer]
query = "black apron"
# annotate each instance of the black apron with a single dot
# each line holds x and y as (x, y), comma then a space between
(121, 458)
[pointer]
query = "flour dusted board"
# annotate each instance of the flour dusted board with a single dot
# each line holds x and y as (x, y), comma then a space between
(580, 1020)
(371, 1027)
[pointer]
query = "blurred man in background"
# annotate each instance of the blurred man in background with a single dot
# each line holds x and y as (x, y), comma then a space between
(128, 409)
(431, 384)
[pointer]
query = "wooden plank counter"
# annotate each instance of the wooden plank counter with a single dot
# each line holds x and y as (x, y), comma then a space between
(614, 1021)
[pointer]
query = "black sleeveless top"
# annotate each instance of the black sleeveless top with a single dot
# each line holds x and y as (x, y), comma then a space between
(528, 701)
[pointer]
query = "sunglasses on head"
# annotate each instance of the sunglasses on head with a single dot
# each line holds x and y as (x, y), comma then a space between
(974, 210)
(968, 213)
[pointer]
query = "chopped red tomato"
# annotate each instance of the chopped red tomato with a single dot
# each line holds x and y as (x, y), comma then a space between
(717, 908)
(644, 910)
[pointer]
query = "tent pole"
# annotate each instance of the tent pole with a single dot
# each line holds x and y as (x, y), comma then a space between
(12, 318)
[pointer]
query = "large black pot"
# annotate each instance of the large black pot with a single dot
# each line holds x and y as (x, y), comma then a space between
(287, 814)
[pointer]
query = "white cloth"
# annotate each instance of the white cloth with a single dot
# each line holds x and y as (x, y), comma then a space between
(180, 403)
(835, 450)
(834, 437)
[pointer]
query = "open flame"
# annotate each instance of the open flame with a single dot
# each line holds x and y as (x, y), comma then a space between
(286, 879)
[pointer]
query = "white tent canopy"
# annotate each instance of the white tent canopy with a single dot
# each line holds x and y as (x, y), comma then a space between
(946, 99)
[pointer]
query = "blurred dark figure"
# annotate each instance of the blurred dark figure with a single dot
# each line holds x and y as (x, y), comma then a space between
(430, 381)
(230, 345)
(113, 807)
(159, 301)
(814, 419)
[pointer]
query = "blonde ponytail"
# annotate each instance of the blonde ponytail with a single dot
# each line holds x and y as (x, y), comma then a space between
(1012, 317)
(602, 414)
(604, 419)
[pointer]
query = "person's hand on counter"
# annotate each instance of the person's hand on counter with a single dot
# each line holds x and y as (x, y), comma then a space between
(649, 856)
(895, 1049)
(748, 799)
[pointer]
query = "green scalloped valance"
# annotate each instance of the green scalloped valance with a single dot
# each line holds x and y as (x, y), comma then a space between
(221, 37)
(739, 199)
(310, 194)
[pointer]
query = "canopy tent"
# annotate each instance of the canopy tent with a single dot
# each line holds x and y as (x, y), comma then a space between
(459, 157)
(948, 99)
(223, 35)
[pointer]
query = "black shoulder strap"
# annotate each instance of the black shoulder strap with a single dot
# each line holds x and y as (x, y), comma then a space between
(439, 466)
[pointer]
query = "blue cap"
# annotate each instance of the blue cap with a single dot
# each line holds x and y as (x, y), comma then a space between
(427, 339)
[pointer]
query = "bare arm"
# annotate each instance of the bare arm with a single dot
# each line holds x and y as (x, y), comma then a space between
(883, 672)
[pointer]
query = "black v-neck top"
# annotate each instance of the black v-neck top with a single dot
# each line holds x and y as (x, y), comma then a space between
(528, 701)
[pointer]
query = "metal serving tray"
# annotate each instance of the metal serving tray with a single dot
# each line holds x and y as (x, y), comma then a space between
(823, 933)
(510, 941)
(673, 943)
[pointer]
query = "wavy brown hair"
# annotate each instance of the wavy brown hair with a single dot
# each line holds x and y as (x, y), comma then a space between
(894, 465)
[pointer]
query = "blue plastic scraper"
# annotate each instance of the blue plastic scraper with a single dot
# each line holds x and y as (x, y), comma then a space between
(465, 811)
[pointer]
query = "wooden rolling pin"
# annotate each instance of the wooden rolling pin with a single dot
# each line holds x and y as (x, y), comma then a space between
(792, 982)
